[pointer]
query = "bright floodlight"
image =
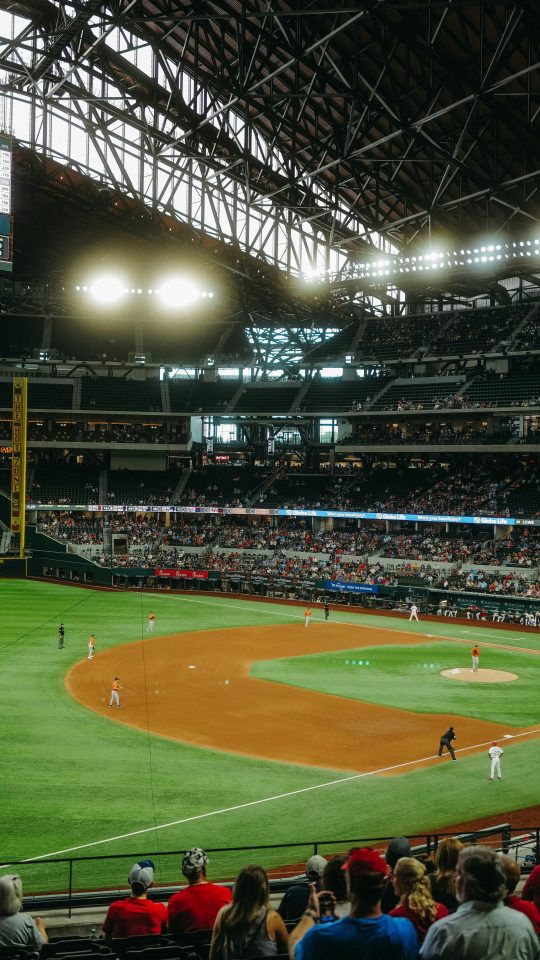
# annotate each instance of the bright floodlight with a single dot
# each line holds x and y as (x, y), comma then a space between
(107, 289)
(178, 292)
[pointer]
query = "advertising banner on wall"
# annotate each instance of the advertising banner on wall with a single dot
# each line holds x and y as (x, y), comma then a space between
(345, 587)
(184, 574)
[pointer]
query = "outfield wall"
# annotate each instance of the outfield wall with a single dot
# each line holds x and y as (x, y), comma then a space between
(11, 567)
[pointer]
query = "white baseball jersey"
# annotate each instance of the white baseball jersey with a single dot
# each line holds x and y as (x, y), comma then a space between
(495, 752)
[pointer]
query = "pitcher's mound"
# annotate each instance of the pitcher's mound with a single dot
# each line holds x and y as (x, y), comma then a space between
(481, 676)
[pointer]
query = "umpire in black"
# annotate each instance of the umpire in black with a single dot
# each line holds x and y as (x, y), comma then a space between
(446, 741)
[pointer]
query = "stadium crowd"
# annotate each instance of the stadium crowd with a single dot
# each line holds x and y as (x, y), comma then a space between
(103, 432)
(506, 486)
(460, 905)
(520, 550)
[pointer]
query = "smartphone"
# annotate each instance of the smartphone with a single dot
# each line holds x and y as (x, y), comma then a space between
(326, 909)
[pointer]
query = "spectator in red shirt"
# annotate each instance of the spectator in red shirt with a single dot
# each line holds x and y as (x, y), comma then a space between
(197, 906)
(531, 890)
(513, 874)
(136, 916)
(411, 885)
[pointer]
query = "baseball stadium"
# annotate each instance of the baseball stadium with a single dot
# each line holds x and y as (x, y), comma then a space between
(269, 465)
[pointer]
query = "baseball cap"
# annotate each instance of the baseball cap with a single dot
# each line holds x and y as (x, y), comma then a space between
(142, 873)
(494, 744)
(315, 866)
(365, 860)
(397, 848)
(194, 861)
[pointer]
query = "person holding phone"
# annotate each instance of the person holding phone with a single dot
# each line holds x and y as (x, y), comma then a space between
(367, 931)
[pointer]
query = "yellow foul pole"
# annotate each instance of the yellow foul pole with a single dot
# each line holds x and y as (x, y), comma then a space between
(18, 461)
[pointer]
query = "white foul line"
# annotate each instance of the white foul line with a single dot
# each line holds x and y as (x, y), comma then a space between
(255, 803)
(364, 622)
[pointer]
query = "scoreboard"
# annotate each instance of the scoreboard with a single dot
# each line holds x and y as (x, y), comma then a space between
(6, 240)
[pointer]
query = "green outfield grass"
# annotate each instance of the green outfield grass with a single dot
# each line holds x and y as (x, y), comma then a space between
(410, 677)
(70, 777)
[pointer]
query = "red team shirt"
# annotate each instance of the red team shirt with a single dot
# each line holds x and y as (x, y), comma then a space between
(134, 918)
(421, 927)
(197, 907)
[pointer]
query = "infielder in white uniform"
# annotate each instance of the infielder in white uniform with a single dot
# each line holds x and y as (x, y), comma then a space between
(414, 613)
(495, 754)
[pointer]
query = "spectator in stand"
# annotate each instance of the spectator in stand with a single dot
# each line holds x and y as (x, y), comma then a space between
(197, 906)
(18, 929)
(443, 881)
(397, 848)
(136, 916)
(482, 927)
(248, 927)
(513, 876)
(334, 880)
(296, 897)
(411, 885)
(531, 890)
(366, 932)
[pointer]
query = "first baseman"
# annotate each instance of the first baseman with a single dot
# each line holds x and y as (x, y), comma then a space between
(495, 753)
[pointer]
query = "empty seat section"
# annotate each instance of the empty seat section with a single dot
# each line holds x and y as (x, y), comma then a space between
(475, 331)
(141, 486)
(334, 347)
(419, 393)
(333, 395)
(397, 338)
(179, 343)
(516, 389)
(65, 485)
(49, 396)
(116, 393)
(275, 398)
(93, 339)
(309, 491)
(222, 486)
(21, 336)
(42, 395)
(180, 395)
(209, 397)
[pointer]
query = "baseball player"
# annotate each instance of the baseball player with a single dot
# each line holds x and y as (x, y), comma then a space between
(414, 613)
(91, 645)
(61, 637)
(495, 753)
(151, 621)
(475, 654)
(115, 693)
(446, 741)
(326, 609)
(307, 617)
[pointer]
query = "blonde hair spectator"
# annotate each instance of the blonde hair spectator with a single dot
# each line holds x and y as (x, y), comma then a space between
(17, 928)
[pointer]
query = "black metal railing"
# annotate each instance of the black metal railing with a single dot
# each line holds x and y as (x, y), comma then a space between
(75, 882)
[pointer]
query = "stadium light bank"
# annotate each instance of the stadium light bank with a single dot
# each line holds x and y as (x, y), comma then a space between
(387, 268)
(172, 293)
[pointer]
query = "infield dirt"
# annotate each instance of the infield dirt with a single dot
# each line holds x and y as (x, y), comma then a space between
(175, 687)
